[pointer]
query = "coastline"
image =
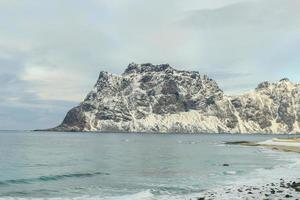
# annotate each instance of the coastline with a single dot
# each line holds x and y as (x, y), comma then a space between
(282, 189)
(285, 145)
(161, 132)
(283, 186)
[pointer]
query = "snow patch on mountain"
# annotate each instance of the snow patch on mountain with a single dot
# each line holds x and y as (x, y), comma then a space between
(159, 98)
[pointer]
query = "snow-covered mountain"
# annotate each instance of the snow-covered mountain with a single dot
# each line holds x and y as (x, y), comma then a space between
(158, 98)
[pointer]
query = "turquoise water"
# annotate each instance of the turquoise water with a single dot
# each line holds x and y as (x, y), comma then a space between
(131, 166)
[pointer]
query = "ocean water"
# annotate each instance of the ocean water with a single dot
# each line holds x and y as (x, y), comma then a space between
(110, 166)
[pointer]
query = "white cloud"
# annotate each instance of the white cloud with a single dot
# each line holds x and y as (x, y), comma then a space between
(55, 83)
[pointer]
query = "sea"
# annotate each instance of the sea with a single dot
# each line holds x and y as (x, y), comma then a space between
(135, 166)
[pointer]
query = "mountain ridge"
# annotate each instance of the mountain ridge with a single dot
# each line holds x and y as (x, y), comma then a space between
(159, 98)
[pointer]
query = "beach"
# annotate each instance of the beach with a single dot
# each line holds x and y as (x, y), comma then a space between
(284, 188)
(281, 144)
(275, 190)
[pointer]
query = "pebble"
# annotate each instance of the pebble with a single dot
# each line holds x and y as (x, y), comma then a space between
(280, 190)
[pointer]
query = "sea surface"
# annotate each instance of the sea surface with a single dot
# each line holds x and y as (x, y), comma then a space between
(110, 166)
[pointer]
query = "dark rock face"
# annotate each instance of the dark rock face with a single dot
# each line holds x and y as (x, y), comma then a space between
(158, 98)
(170, 87)
(263, 85)
(74, 121)
(285, 115)
(236, 103)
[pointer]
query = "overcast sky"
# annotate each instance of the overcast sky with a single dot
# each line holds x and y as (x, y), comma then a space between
(51, 51)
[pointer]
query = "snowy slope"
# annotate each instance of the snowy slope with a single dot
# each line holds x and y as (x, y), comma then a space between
(158, 98)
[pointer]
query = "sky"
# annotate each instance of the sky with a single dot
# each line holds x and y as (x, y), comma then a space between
(52, 51)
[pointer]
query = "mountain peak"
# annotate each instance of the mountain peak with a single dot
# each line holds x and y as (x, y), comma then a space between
(282, 83)
(285, 80)
(263, 85)
(146, 67)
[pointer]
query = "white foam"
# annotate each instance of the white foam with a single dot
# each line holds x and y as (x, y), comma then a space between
(230, 172)
(144, 195)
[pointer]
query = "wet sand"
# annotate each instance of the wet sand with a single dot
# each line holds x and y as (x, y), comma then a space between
(286, 145)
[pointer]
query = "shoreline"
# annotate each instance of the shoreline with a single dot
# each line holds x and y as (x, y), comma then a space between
(282, 189)
(161, 132)
(285, 145)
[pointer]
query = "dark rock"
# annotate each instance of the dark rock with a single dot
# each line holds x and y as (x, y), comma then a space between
(285, 116)
(146, 79)
(210, 100)
(236, 103)
(169, 87)
(151, 93)
(284, 79)
(272, 191)
(263, 85)
(124, 84)
(87, 107)
(132, 68)
(75, 120)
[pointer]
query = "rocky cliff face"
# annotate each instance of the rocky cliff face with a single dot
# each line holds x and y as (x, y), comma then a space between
(158, 98)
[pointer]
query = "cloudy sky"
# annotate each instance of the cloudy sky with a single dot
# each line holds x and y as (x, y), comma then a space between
(51, 51)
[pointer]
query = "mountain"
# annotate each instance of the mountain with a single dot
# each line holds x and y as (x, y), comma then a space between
(159, 98)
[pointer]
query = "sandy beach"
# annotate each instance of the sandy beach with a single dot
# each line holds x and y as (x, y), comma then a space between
(280, 144)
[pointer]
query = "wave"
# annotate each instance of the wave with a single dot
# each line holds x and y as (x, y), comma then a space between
(28, 193)
(143, 195)
(50, 178)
